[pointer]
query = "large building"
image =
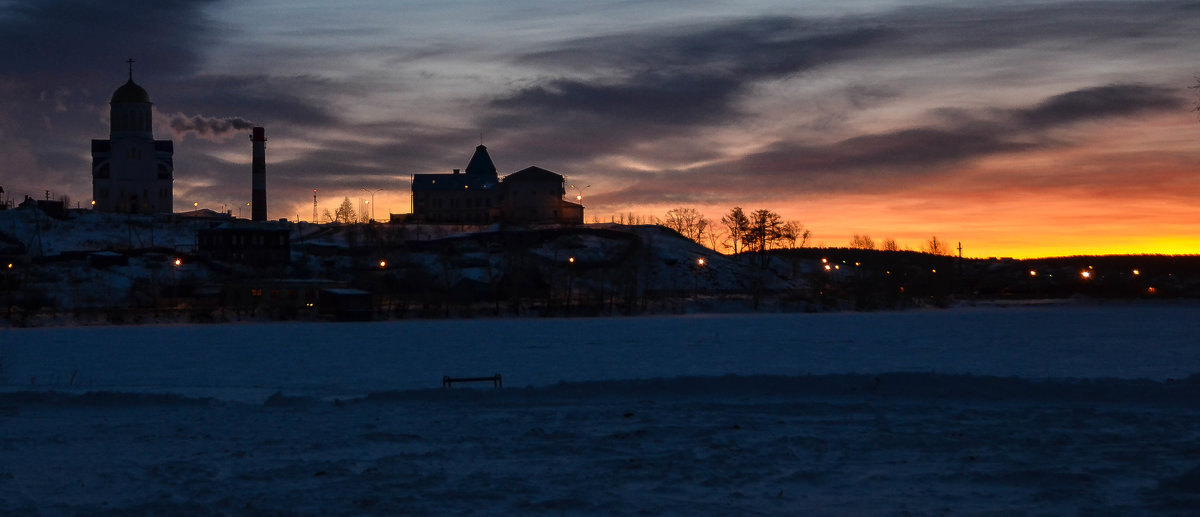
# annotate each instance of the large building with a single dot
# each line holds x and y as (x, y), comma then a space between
(478, 196)
(131, 171)
(470, 197)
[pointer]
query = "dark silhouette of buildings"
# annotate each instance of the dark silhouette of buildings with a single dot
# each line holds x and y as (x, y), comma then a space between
(479, 196)
(131, 171)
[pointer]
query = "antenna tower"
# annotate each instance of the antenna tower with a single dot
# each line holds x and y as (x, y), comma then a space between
(314, 219)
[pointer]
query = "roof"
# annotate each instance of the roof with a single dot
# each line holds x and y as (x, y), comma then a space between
(130, 92)
(245, 226)
(203, 213)
(481, 163)
(533, 174)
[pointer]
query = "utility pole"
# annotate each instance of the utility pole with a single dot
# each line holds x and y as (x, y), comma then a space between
(314, 219)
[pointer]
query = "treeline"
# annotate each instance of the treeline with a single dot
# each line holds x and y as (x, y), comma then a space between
(762, 230)
(737, 231)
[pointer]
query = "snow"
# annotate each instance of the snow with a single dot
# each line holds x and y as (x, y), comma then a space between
(1038, 410)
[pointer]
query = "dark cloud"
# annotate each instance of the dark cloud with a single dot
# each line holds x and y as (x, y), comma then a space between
(300, 100)
(895, 159)
(1114, 100)
(666, 83)
(63, 41)
(751, 48)
(971, 29)
(607, 95)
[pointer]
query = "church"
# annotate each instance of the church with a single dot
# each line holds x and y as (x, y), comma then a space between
(132, 173)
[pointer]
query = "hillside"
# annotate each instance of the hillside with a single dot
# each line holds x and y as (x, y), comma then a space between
(88, 267)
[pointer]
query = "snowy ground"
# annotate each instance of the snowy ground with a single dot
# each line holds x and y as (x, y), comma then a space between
(998, 411)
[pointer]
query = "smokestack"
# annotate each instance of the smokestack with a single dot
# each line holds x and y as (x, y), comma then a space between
(258, 173)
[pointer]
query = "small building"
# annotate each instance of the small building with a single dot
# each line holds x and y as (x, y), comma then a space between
(253, 244)
(50, 207)
(535, 195)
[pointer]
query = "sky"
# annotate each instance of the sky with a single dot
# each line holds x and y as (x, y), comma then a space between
(1018, 129)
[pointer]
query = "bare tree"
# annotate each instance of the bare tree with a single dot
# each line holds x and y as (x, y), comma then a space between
(345, 213)
(934, 246)
(862, 242)
(716, 235)
(1196, 87)
(736, 224)
(794, 234)
(763, 231)
(889, 244)
(689, 222)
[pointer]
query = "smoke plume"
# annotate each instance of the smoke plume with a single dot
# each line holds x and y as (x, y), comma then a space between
(209, 128)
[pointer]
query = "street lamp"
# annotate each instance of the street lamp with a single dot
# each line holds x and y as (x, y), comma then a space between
(579, 192)
(372, 201)
(570, 262)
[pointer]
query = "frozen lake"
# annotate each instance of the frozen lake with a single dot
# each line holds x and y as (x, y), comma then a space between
(973, 411)
(344, 359)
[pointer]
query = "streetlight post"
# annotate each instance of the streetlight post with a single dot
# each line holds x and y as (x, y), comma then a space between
(579, 193)
(570, 262)
(372, 201)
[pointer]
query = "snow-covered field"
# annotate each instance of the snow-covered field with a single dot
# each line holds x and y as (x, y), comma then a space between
(1091, 410)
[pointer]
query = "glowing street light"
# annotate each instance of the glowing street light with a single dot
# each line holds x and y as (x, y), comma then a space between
(1085, 274)
(382, 264)
(700, 262)
(372, 201)
(178, 262)
(1032, 272)
(579, 192)
(1136, 272)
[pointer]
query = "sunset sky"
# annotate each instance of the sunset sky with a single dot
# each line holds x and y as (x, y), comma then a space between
(1020, 129)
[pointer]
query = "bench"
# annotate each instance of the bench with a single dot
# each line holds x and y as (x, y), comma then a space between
(448, 381)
